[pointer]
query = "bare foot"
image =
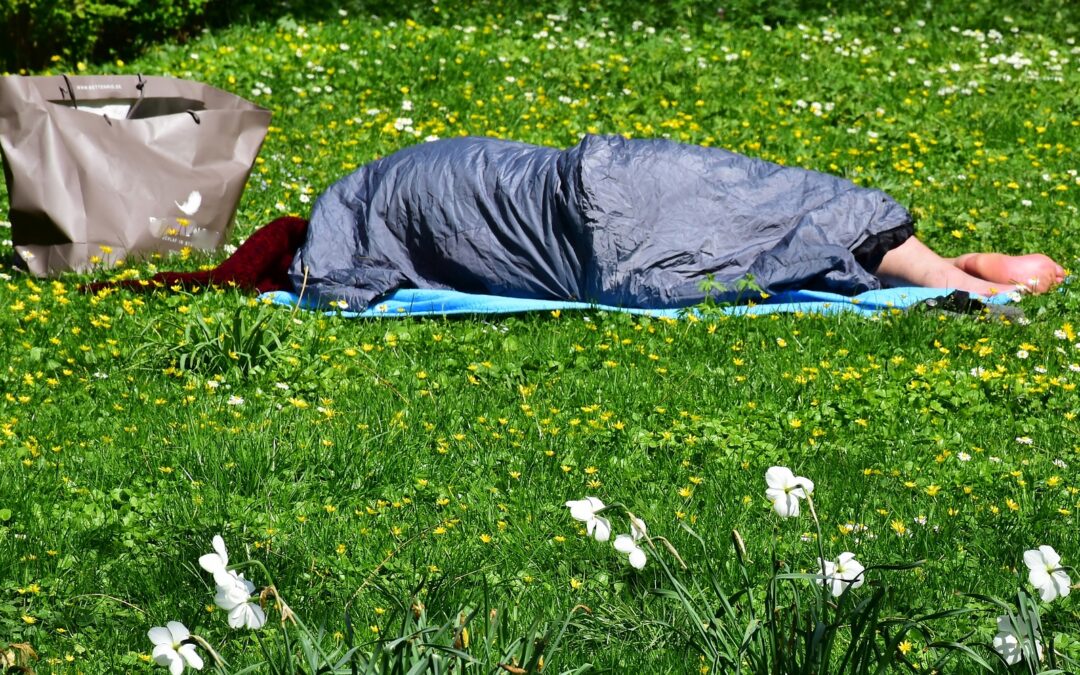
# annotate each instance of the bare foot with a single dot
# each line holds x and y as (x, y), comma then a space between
(914, 264)
(948, 276)
(1033, 273)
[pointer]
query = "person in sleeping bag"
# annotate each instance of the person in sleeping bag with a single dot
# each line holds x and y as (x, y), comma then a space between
(623, 222)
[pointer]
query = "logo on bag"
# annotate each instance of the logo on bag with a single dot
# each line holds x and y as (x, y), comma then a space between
(183, 230)
(191, 204)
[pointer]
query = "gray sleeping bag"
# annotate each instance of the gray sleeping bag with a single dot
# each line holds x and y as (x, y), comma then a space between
(632, 223)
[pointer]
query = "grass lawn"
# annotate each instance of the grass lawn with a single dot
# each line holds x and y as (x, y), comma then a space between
(376, 466)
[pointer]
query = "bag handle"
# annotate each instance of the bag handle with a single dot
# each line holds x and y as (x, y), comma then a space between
(70, 91)
(140, 85)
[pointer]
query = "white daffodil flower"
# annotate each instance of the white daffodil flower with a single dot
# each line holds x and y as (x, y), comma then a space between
(216, 563)
(845, 572)
(1045, 573)
(170, 650)
(585, 510)
(625, 543)
(1008, 643)
(637, 527)
(235, 598)
(786, 489)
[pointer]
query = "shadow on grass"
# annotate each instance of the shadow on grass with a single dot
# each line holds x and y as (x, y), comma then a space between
(1050, 17)
(120, 38)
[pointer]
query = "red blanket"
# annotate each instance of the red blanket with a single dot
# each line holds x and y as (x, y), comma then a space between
(260, 264)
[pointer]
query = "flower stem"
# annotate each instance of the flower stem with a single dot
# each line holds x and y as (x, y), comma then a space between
(218, 661)
(670, 547)
(820, 543)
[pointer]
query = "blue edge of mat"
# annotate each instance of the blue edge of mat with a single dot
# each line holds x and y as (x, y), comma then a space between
(423, 302)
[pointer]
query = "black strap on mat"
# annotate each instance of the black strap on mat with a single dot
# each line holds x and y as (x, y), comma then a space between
(961, 302)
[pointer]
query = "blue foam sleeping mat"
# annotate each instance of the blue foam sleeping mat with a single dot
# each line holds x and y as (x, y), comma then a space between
(413, 302)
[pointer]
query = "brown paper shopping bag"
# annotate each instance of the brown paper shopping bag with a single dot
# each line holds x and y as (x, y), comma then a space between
(103, 168)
